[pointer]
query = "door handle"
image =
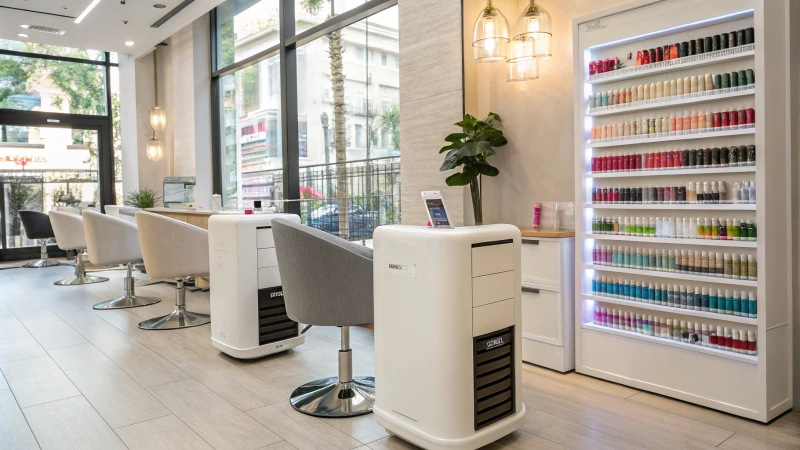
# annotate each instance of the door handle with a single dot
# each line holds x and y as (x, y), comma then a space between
(531, 290)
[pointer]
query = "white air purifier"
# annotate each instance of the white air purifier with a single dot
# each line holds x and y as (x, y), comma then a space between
(447, 334)
(248, 312)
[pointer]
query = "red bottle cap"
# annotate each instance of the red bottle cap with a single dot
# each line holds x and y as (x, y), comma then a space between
(751, 116)
(717, 120)
(733, 118)
(743, 117)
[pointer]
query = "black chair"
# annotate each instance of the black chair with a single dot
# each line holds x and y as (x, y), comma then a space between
(37, 226)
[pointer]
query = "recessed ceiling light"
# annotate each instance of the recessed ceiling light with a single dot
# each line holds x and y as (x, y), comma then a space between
(87, 11)
(22, 35)
(159, 5)
(25, 26)
(129, 43)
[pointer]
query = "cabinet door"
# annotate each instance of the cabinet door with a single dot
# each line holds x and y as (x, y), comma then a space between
(542, 316)
(541, 262)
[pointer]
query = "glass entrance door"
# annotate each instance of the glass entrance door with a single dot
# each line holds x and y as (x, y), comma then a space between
(42, 167)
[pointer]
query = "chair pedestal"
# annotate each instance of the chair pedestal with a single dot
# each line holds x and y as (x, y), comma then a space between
(44, 260)
(80, 276)
(129, 300)
(180, 317)
(332, 397)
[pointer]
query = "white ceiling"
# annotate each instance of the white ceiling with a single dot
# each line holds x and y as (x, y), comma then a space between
(103, 29)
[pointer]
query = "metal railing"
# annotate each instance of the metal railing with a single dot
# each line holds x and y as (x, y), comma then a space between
(372, 196)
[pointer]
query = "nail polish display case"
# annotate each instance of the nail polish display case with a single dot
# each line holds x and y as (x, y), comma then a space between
(756, 386)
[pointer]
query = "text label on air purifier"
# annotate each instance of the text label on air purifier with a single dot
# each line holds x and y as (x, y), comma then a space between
(409, 270)
(494, 343)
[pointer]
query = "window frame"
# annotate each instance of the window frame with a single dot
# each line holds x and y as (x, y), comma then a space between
(103, 124)
(287, 48)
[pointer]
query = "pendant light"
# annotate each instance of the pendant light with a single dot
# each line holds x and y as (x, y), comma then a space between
(536, 26)
(490, 35)
(154, 149)
(158, 119)
(521, 65)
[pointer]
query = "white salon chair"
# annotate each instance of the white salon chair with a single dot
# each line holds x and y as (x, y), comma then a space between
(68, 228)
(111, 241)
(173, 249)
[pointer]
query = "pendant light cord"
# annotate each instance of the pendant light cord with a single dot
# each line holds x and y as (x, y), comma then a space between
(155, 72)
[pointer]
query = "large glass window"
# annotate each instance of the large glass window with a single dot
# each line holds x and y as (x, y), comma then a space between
(43, 160)
(252, 158)
(244, 28)
(347, 122)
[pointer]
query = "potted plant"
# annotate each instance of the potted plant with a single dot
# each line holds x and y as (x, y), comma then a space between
(142, 198)
(471, 149)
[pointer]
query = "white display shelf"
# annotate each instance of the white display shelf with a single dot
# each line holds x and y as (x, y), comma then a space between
(668, 172)
(684, 206)
(673, 275)
(674, 100)
(676, 241)
(750, 359)
(685, 135)
(704, 59)
(672, 310)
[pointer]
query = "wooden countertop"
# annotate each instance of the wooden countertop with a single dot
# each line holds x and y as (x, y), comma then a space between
(198, 212)
(547, 233)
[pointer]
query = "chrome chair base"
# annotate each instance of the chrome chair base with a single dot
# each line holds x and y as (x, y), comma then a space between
(127, 301)
(177, 319)
(330, 398)
(80, 276)
(76, 280)
(39, 263)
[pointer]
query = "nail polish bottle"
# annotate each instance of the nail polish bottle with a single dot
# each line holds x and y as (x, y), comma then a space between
(719, 264)
(751, 343)
(728, 339)
(687, 85)
(713, 337)
(712, 300)
(752, 268)
(715, 43)
(684, 332)
(737, 304)
(709, 44)
(676, 330)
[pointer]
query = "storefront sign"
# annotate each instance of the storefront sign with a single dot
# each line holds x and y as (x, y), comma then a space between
(23, 160)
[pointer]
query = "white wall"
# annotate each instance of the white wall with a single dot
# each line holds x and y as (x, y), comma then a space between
(431, 101)
(185, 95)
(537, 164)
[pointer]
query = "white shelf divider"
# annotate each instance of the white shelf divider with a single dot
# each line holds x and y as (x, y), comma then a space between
(666, 102)
(668, 172)
(673, 241)
(686, 135)
(673, 275)
(750, 359)
(704, 59)
(672, 310)
(683, 206)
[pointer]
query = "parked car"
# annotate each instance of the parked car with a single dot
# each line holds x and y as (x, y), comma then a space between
(360, 222)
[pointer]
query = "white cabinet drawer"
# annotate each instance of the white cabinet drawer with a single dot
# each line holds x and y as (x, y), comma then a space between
(492, 288)
(541, 315)
(492, 317)
(541, 262)
(489, 259)
(264, 238)
(267, 257)
(269, 277)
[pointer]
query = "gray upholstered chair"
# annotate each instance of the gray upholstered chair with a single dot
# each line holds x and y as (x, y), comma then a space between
(37, 226)
(327, 281)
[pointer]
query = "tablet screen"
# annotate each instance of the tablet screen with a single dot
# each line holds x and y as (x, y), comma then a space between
(437, 212)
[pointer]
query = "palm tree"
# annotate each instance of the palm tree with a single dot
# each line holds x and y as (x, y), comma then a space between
(335, 53)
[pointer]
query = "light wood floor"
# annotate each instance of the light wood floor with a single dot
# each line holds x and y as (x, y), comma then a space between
(74, 378)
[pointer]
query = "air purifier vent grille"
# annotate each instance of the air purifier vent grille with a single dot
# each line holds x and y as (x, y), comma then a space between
(494, 376)
(273, 323)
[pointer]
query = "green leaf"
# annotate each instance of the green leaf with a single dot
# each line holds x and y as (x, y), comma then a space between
(455, 137)
(472, 149)
(450, 161)
(486, 169)
(450, 147)
(499, 141)
(492, 117)
(459, 179)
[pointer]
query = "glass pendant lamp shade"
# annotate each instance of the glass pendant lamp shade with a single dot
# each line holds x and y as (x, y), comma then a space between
(536, 24)
(490, 35)
(521, 65)
(158, 119)
(154, 149)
